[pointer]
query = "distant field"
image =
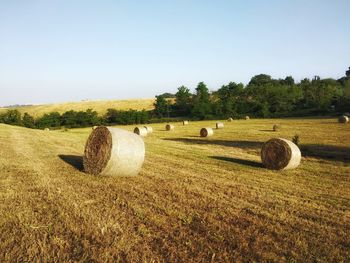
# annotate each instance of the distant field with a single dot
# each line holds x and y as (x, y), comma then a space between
(195, 200)
(100, 106)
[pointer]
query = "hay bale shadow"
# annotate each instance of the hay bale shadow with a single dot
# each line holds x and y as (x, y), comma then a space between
(237, 144)
(239, 161)
(327, 152)
(74, 160)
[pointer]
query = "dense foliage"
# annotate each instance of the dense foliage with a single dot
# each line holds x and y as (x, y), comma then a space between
(263, 96)
(74, 119)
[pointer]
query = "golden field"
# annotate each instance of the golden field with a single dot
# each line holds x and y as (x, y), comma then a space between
(195, 200)
(100, 106)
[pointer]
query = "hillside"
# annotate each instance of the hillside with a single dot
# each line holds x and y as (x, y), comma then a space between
(100, 106)
(195, 200)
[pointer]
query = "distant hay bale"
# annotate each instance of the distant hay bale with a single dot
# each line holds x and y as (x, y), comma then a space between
(280, 154)
(113, 151)
(247, 117)
(219, 125)
(169, 127)
(94, 127)
(229, 119)
(343, 119)
(142, 131)
(206, 132)
(276, 127)
(149, 129)
(185, 123)
(46, 129)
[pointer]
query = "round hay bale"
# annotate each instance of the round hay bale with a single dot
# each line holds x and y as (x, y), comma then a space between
(142, 131)
(185, 123)
(219, 125)
(343, 119)
(206, 132)
(280, 154)
(247, 117)
(113, 151)
(229, 119)
(169, 127)
(94, 127)
(276, 127)
(46, 129)
(149, 129)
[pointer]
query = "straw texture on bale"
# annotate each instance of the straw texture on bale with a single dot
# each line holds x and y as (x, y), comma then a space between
(280, 154)
(113, 151)
(229, 119)
(276, 127)
(185, 123)
(343, 119)
(169, 127)
(206, 132)
(142, 131)
(247, 117)
(219, 125)
(149, 129)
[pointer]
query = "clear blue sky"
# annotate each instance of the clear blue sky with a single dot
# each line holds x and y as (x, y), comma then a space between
(52, 51)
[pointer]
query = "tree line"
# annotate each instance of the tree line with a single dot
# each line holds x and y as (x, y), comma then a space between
(262, 97)
(74, 119)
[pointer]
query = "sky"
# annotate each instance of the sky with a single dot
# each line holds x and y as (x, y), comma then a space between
(57, 51)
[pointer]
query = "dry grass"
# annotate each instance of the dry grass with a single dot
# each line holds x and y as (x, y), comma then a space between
(99, 106)
(196, 199)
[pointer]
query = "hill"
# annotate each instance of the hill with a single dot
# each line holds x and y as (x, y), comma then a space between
(100, 106)
(195, 200)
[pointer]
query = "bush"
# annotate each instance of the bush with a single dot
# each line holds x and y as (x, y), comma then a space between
(12, 117)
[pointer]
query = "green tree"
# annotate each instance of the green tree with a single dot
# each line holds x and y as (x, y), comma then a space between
(69, 118)
(229, 98)
(320, 94)
(52, 119)
(12, 117)
(183, 101)
(28, 120)
(202, 107)
(161, 107)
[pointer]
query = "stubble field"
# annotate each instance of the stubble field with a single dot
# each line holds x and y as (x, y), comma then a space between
(196, 199)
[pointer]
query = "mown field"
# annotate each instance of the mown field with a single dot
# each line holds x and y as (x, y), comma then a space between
(195, 200)
(99, 106)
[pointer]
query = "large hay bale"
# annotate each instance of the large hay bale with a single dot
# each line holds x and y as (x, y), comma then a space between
(142, 131)
(343, 119)
(247, 117)
(229, 119)
(113, 151)
(206, 132)
(149, 129)
(280, 154)
(276, 127)
(46, 129)
(185, 123)
(219, 125)
(169, 127)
